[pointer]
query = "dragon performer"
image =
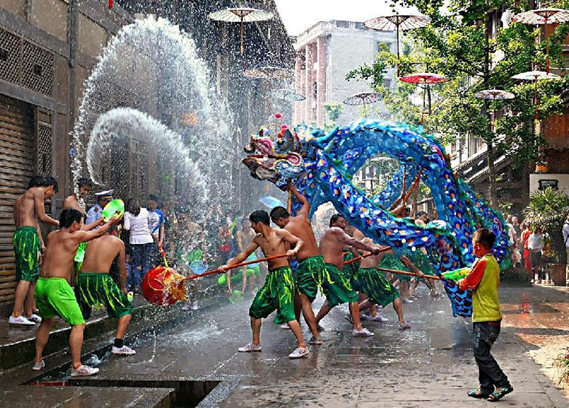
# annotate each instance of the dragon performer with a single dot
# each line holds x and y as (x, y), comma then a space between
(321, 166)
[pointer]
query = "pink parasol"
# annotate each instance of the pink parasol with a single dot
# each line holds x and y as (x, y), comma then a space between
(535, 76)
(494, 95)
(426, 79)
(241, 15)
(543, 17)
(397, 22)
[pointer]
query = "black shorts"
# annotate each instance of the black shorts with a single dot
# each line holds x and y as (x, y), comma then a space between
(535, 258)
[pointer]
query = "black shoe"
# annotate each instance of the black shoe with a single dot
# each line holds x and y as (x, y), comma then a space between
(477, 394)
(500, 393)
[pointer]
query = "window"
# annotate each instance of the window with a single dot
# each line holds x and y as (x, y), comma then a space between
(343, 24)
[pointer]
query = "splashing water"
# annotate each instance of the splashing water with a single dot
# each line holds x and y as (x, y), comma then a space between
(153, 68)
(118, 122)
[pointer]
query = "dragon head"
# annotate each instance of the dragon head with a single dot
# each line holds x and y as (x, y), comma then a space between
(277, 162)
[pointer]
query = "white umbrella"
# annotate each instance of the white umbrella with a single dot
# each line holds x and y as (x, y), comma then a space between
(494, 95)
(241, 15)
(397, 22)
(535, 76)
(289, 95)
(543, 17)
(364, 98)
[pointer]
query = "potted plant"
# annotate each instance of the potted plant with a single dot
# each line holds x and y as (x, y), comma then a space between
(547, 209)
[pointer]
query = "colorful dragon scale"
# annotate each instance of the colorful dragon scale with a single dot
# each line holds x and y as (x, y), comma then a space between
(329, 162)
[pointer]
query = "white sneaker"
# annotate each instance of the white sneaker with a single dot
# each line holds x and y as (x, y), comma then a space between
(299, 353)
(379, 318)
(315, 341)
(285, 326)
(365, 318)
(250, 348)
(20, 321)
(407, 300)
(362, 333)
(34, 318)
(195, 305)
(84, 371)
(38, 366)
(123, 351)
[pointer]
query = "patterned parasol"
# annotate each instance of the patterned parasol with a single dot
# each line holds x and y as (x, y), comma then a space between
(494, 95)
(397, 22)
(269, 73)
(535, 76)
(426, 79)
(542, 17)
(289, 95)
(364, 98)
(241, 15)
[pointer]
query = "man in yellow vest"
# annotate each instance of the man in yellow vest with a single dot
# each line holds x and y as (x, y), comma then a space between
(484, 280)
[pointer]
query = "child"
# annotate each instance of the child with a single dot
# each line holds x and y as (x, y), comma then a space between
(484, 280)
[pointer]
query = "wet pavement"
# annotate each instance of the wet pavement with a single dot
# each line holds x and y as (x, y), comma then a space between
(430, 365)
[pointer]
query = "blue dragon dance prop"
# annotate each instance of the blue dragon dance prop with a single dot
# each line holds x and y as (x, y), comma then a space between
(322, 166)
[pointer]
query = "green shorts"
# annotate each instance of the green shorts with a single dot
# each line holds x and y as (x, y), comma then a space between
(54, 296)
(99, 288)
(375, 285)
(392, 261)
(351, 269)
(276, 294)
(337, 288)
(27, 246)
(311, 272)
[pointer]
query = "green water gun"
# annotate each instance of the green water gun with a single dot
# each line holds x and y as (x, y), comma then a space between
(456, 275)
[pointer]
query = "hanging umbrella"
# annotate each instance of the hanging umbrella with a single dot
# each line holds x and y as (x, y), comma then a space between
(543, 17)
(269, 73)
(425, 79)
(396, 23)
(241, 15)
(364, 98)
(535, 76)
(289, 95)
(494, 95)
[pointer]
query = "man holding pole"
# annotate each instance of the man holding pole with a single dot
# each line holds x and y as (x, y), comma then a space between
(278, 290)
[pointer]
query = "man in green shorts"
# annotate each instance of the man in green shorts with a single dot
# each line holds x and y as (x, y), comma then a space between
(311, 268)
(373, 282)
(94, 286)
(278, 290)
(28, 243)
(54, 295)
(336, 285)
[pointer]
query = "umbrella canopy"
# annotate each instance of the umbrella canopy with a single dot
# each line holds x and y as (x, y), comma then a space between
(271, 202)
(269, 73)
(425, 78)
(364, 98)
(495, 94)
(542, 16)
(241, 15)
(397, 22)
(535, 76)
(289, 95)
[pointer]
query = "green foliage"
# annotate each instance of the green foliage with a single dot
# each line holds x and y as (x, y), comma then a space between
(333, 112)
(455, 44)
(547, 209)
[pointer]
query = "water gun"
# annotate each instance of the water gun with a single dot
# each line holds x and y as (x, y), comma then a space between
(457, 274)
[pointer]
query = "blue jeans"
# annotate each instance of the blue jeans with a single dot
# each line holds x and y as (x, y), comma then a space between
(140, 264)
(489, 372)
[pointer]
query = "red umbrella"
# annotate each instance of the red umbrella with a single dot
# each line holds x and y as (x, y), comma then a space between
(425, 79)
(543, 17)
(494, 95)
(396, 23)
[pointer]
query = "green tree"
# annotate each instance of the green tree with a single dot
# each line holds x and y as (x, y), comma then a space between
(460, 43)
(333, 112)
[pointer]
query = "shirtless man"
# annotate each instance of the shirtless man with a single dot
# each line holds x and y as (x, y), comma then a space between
(278, 290)
(94, 286)
(28, 243)
(54, 295)
(73, 201)
(311, 267)
(369, 280)
(336, 286)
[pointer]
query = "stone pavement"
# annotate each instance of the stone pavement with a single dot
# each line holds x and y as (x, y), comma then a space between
(430, 365)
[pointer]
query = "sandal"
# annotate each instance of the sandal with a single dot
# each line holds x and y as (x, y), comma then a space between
(499, 393)
(477, 394)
